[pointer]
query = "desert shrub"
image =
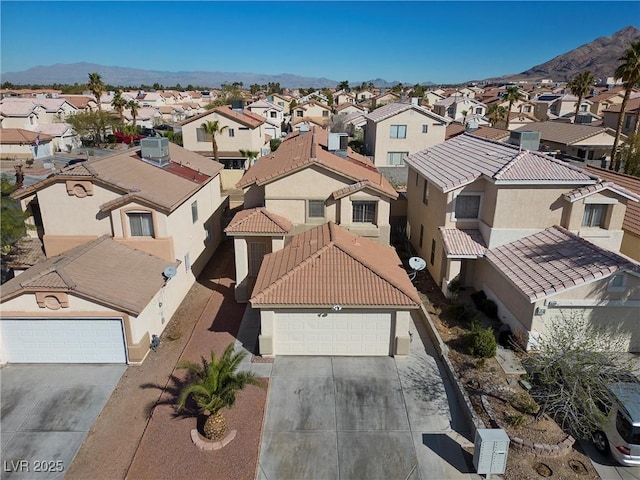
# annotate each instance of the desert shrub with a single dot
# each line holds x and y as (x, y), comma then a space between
(481, 341)
(514, 419)
(524, 403)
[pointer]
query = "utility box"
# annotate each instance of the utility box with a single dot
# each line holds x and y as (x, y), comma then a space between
(490, 453)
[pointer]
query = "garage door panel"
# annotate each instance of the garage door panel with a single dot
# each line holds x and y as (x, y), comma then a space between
(343, 333)
(63, 340)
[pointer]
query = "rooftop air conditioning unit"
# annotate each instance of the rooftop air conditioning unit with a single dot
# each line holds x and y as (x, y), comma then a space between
(526, 139)
(155, 150)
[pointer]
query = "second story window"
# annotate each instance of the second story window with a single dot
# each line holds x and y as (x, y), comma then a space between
(273, 114)
(398, 131)
(396, 158)
(141, 224)
(467, 207)
(315, 209)
(299, 113)
(594, 215)
(325, 113)
(425, 128)
(194, 211)
(425, 192)
(232, 132)
(364, 212)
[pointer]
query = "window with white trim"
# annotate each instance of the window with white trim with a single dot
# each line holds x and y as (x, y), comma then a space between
(396, 158)
(140, 224)
(467, 207)
(398, 131)
(315, 209)
(594, 215)
(364, 212)
(425, 128)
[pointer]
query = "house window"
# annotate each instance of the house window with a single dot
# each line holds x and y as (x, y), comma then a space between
(417, 178)
(467, 206)
(617, 282)
(398, 131)
(273, 114)
(325, 113)
(527, 109)
(479, 110)
(141, 224)
(232, 132)
(594, 215)
(421, 234)
(187, 262)
(425, 128)
(425, 192)
(364, 212)
(194, 211)
(432, 257)
(281, 104)
(315, 209)
(396, 158)
(583, 108)
(202, 136)
(299, 113)
(627, 122)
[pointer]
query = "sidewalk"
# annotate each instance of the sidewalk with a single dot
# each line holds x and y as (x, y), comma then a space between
(125, 443)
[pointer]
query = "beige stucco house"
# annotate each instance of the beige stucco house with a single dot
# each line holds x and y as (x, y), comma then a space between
(125, 236)
(315, 224)
(459, 108)
(479, 210)
(20, 144)
(311, 109)
(397, 130)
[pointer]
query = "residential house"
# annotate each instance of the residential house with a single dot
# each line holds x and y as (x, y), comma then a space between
(459, 108)
(561, 106)
(147, 117)
(631, 224)
(63, 136)
(283, 101)
(274, 115)
(342, 97)
(612, 114)
(53, 109)
(396, 130)
(315, 224)
(601, 101)
(82, 103)
(384, 98)
(20, 144)
(311, 109)
(537, 235)
(144, 223)
(583, 142)
(364, 96)
(23, 115)
(347, 108)
(432, 97)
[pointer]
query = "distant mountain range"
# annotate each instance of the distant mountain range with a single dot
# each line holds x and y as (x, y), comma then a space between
(600, 57)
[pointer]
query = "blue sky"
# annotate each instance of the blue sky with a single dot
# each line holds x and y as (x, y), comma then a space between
(442, 42)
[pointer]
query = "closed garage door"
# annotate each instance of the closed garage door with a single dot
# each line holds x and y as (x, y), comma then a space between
(337, 333)
(73, 340)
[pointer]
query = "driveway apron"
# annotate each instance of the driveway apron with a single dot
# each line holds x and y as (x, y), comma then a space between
(47, 411)
(363, 418)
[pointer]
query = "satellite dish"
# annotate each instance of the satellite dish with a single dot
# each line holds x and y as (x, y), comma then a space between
(417, 263)
(169, 272)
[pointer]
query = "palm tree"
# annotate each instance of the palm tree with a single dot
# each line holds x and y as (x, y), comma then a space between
(96, 85)
(213, 385)
(213, 128)
(464, 114)
(580, 86)
(118, 103)
(496, 113)
(134, 107)
(250, 154)
(629, 72)
(511, 95)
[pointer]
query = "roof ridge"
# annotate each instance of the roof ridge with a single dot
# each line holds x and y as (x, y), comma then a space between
(506, 167)
(270, 215)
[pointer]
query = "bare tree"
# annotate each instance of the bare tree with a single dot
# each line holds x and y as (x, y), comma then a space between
(571, 367)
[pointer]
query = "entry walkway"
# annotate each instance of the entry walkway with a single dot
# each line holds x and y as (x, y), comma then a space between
(364, 418)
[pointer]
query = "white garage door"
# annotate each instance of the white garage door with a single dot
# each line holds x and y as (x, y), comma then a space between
(338, 333)
(88, 340)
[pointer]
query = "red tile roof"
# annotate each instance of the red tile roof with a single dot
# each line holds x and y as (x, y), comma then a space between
(463, 242)
(631, 221)
(329, 265)
(553, 260)
(256, 221)
(19, 136)
(310, 148)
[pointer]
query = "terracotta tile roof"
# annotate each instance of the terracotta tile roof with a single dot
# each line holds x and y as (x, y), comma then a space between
(465, 158)
(26, 253)
(579, 193)
(166, 188)
(491, 133)
(329, 265)
(463, 242)
(310, 148)
(17, 107)
(565, 133)
(103, 269)
(18, 136)
(258, 220)
(349, 189)
(391, 109)
(53, 129)
(632, 105)
(553, 260)
(631, 221)
(453, 130)
(246, 118)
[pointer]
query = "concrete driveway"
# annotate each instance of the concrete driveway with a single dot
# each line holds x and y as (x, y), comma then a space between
(47, 411)
(606, 466)
(363, 418)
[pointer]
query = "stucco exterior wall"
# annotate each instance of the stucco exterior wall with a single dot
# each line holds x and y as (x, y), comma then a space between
(249, 139)
(630, 246)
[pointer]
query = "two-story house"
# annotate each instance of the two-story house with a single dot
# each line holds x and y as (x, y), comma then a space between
(460, 108)
(273, 114)
(312, 109)
(312, 252)
(125, 236)
(631, 113)
(399, 129)
(538, 236)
